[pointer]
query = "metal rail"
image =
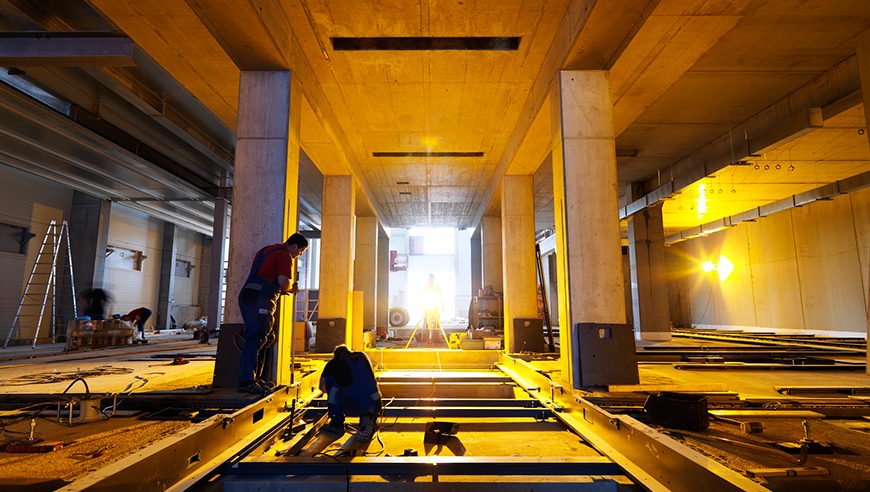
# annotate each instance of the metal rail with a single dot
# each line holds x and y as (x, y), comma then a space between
(773, 340)
(199, 449)
(435, 466)
(652, 459)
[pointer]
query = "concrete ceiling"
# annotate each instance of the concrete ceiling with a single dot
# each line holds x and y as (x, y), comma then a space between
(684, 74)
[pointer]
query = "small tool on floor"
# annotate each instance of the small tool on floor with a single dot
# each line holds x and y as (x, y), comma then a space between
(746, 427)
(102, 451)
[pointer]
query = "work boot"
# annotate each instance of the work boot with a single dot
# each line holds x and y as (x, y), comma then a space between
(268, 384)
(368, 424)
(253, 387)
(334, 426)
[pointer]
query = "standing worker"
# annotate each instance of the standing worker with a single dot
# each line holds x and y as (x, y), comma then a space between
(138, 316)
(433, 304)
(271, 274)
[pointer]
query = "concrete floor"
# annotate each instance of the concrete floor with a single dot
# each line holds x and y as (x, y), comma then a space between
(849, 465)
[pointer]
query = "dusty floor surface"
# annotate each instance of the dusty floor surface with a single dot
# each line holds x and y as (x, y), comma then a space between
(47, 370)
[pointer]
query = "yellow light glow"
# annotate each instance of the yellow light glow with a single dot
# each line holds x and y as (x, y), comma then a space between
(430, 300)
(429, 142)
(701, 207)
(708, 266)
(725, 267)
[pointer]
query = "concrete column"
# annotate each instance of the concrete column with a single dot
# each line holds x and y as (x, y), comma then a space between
(518, 253)
(476, 267)
(216, 265)
(89, 236)
(382, 305)
(167, 277)
(204, 268)
(265, 181)
(586, 207)
(490, 236)
(862, 46)
(649, 287)
(365, 267)
(336, 250)
(263, 168)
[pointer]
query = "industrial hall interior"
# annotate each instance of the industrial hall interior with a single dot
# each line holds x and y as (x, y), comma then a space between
(426, 245)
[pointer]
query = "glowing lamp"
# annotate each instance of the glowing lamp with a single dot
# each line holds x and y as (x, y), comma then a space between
(725, 267)
(708, 266)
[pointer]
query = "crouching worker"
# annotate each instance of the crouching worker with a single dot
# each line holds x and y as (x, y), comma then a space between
(350, 387)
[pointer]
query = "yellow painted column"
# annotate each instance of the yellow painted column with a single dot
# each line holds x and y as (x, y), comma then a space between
(490, 236)
(365, 267)
(264, 185)
(518, 253)
(336, 251)
(586, 202)
(862, 46)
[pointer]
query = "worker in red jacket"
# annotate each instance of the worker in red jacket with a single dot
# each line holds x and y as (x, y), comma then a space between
(271, 275)
(138, 317)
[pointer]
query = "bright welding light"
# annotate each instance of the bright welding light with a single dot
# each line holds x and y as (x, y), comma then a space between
(708, 266)
(725, 267)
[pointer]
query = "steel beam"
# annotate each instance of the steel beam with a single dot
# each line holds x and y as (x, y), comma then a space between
(457, 412)
(654, 460)
(65, 49)
(432, 465)
(452, 402)
(200, 448)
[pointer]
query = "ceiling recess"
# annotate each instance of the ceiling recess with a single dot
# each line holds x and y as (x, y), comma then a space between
(427, 154)
(426, 44)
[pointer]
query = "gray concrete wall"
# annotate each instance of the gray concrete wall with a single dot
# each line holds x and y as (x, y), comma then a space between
(801, 269)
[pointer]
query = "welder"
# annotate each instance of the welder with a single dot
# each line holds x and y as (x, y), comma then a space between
(351, 390)
(271, 273)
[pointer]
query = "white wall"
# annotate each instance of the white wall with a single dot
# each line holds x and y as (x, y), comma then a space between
(31, 202)
(803, 269)
(130, 289)
(185, 302)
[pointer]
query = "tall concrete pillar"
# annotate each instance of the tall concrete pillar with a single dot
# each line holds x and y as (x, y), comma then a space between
(862, 46)
(336, 253)
(204, 268)
(649, 287)
(265, 181)
(89, 236)
(490, 237)
(365, 267)
(586, 205)
(382, 306)
(216, 266)
(167, 277)
(476, 267)
(518, 253)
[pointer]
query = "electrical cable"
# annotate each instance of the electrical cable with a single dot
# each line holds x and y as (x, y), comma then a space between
(346, 473)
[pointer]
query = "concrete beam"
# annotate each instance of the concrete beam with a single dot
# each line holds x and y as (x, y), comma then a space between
(797, 114)
(257, 36)
(65, 49)
(568, 50)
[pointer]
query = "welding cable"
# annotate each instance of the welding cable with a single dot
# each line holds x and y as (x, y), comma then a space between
(114, 406)
(35, 414)
(346, 473)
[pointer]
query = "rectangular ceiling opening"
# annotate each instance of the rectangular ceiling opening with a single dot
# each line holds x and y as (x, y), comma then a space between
(427, 154)
(426, 44)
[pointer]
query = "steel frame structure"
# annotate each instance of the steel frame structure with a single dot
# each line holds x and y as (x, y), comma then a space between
(219, 444)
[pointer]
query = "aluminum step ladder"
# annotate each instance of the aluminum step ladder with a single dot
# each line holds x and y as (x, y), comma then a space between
(41, 283)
